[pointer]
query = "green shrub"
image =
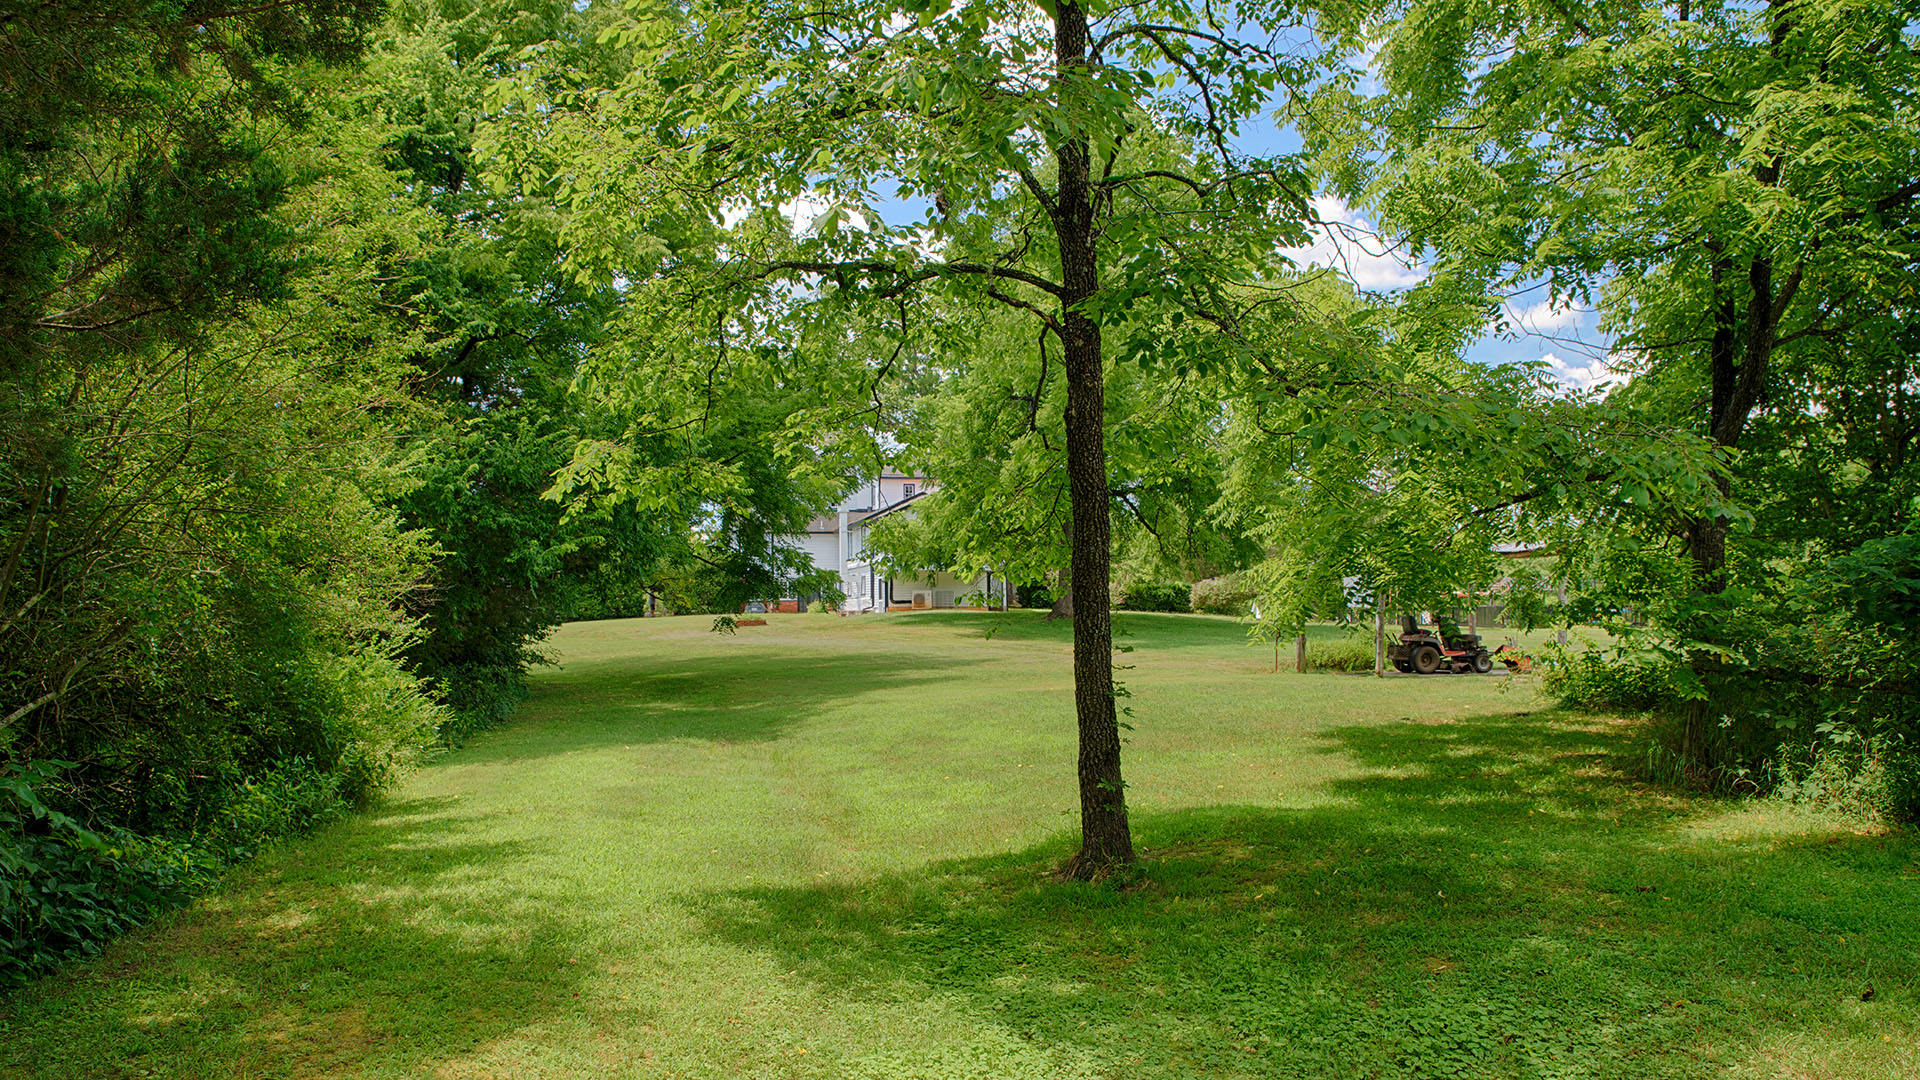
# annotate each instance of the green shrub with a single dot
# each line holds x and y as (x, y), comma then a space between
(1144, 597)
(609, 592)
(477, 697)
(80, 862)
(1352, 652)
(292, 798)
(1033, 596)
(1229, 595)
(1590, 680)
(1807, 685)
(375, 720)
(1875, 780)
(66, 888)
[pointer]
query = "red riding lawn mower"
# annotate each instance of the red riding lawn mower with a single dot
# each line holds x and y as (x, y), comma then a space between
(1425, 652)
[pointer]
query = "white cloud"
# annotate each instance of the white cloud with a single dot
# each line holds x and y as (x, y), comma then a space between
(1350, 245)
(1547, 315)
(804, 211)
(1585, 372)
(1367, 64)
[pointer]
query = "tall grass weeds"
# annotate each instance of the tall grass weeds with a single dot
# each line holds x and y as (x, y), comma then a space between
(1806, 729)
(1349, 653)
(1876, 781)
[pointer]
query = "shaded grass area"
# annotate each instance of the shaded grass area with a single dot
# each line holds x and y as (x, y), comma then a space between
(1506, 907)
(821, 849)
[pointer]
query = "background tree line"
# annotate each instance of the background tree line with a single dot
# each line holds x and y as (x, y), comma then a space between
(286, 386)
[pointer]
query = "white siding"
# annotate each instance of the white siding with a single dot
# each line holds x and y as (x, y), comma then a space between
(823, 547)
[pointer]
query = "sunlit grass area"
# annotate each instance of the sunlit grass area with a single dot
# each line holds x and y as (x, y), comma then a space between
(821, 848)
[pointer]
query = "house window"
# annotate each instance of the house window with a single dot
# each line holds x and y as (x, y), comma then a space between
(906, 490)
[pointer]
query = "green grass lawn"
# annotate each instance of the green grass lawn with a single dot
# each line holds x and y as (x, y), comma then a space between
(820, 848)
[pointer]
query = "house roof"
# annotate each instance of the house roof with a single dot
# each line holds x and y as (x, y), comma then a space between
(1523, 551)
(889, 508)
(830, 523)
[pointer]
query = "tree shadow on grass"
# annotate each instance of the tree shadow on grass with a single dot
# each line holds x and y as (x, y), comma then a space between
(755, 695)
(1143, 630)
(1494, 899)
(718, 698)
(370, 944)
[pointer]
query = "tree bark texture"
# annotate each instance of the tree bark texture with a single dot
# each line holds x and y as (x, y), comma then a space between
(1739, 360)
(1739, 356)
(1106, 840)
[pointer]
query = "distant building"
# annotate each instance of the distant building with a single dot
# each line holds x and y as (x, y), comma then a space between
(837, 541)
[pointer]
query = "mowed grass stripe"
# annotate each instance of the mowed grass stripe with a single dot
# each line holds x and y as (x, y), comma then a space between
(819, 848)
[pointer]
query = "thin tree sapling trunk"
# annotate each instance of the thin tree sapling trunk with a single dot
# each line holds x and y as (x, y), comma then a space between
(1380, 637)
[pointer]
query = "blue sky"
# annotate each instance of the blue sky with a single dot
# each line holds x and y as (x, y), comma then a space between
(1567, 341)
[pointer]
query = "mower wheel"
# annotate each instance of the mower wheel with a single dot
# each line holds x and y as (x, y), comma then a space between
(1402, 666)
(1426, 659)
(1482, 662)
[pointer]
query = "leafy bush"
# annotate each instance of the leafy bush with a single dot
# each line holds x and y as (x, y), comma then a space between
(293, 798)
(376, 719)
(89, 851)
(1144, 597)
(477, 697)
(1808, 688)
(1033, 596)
(609, 592)
(66, 888)
(1588, 679)
(1229, 595)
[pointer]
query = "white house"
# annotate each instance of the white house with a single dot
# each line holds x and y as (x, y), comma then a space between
(838, 541)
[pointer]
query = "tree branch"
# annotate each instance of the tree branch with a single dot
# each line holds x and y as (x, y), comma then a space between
(1150, 30)
(906, 278)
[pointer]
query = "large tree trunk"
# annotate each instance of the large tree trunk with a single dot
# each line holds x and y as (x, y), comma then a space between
(1739, 359)
(1706, 537)
(1105, 840)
